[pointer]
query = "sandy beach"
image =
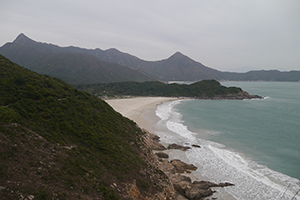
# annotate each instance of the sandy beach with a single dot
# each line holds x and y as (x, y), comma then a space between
(142, 111)
(139, 109)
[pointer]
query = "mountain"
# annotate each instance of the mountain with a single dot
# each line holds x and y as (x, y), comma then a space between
(177, 67)
(180, 68)
(71, 64)
(264, 75)
(60, 143)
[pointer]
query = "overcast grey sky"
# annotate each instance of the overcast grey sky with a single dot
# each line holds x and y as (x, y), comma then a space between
(221, 34)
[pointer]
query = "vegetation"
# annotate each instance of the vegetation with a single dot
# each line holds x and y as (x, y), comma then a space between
(59, 142)
(202, 89)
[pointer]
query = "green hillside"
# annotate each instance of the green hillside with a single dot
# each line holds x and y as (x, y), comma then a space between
(57, 142)
(201, 89)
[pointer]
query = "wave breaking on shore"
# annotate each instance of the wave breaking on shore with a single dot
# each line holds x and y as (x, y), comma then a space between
(217, 164)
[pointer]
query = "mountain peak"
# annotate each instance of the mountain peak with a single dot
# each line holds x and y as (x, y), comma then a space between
(113, 50)
(178, 56)
(22, 38)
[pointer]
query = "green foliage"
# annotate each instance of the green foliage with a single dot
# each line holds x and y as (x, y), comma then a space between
(9, 115)
(106, 142)
(202, 89)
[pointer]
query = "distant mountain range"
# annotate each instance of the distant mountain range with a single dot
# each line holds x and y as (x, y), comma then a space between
(74, 65)
(79, 65)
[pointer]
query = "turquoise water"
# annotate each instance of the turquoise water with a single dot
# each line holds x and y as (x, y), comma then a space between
(251, 143)
(266, 130)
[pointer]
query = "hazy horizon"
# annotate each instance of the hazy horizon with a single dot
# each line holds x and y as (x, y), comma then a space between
(225, 35)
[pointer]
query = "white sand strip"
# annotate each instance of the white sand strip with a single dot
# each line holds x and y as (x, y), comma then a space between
(136, 109)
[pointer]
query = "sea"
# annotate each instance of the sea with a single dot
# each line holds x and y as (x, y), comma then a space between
(254, 144)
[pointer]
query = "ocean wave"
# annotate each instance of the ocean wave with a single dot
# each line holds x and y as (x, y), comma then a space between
(252, 181)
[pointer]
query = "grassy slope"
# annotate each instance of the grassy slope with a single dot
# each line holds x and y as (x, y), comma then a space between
(59, 142)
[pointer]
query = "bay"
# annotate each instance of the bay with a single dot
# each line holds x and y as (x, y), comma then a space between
(253, 142)
(267, 130)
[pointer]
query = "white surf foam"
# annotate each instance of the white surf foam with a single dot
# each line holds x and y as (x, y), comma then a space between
(252, 181)
(172, 121)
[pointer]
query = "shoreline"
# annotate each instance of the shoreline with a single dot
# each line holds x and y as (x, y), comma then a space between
(142, 111)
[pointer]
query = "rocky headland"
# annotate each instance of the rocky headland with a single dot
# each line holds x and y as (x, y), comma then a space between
(238, 96)
(182, 186)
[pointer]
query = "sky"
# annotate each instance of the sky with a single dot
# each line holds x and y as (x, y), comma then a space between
(227, 35)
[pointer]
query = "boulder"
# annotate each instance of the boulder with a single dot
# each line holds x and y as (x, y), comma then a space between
(155, 138)
(181, 187)
(179, 178)
(177, 146)
(197, 189)
(204, 184)
(195, 193)
(152, 141)
(162, 155)
(166, 167)
(182, 167)
(225, 184)
(181, 183)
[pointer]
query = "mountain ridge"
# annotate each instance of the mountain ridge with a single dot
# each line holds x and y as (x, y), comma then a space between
(178, 67)
(60, 62)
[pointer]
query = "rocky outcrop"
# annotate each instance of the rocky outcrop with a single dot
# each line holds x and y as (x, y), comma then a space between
(177, 146)
(238, 96)
(243, 95)
(182, 167)
(181, 185)
(162, 155)
(161, 171)
(134, 191)
(153, 141)
(195, 190)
